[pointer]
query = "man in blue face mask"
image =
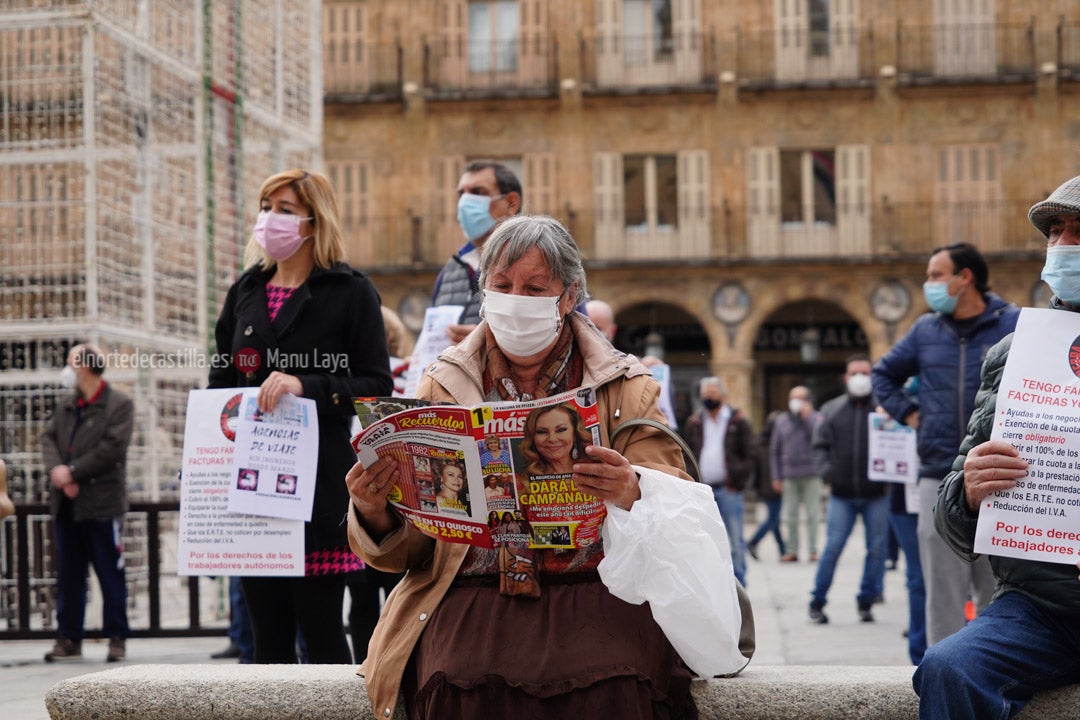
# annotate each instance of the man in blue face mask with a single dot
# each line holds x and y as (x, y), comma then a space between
(487, 192)
(945, 348)
(1028, 639)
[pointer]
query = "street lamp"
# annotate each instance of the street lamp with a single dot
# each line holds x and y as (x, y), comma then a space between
(810, 345)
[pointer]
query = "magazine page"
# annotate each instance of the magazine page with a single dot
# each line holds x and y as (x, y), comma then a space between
(499, 473)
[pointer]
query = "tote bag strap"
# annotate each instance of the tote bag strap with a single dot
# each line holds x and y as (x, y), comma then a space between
(688, 454)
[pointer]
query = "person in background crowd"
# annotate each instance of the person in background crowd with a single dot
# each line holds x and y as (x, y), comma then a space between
(603, 317)
(1028, 639)
(488, 193)
(299, 299)
(840, 454)
(768, 493)
(84, 449)
(791, 463)
(904, 524)
(723, 442)
(945, 348)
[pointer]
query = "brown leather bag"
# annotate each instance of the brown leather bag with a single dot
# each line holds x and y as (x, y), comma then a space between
(747, 634)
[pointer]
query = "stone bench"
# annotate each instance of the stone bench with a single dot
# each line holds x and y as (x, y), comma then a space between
(334, 692)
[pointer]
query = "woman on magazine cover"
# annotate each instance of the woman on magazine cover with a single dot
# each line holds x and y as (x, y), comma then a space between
(301, 321)
(451, 492)
(594, 650)
(553, 440)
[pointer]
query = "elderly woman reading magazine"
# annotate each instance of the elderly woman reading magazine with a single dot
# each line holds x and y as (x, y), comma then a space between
(473, 632)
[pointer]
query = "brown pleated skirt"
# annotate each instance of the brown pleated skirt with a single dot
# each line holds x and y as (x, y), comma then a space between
(578, 651)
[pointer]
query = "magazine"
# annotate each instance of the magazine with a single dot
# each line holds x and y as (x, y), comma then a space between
(492, 474)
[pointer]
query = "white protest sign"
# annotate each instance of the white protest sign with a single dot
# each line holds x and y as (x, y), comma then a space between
(1038, 412)
(275, 459)
(213, 541)
(432, 341)
(892, 455)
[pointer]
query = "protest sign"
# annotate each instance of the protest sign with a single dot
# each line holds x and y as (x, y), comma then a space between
(1038, 412)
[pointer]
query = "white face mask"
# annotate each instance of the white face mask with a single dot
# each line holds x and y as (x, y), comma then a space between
(67, 378)
(859, 385)
(796, 405)
(523, 325)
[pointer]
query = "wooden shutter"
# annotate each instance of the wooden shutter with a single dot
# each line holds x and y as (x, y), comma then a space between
(791, 31)
(853, 199)
(608, 201)
(964, 37)
(350, 179)
(538, 176)
(688, 40)
(968, 193)
(763, 201)
(533, 47)
(609, 62)
(844, 38)
(445, 174)
(694, 209)
(452, 56)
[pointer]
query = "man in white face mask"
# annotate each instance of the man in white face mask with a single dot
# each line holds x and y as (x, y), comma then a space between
(840, 450)
(1027, 640)
(793, 472)
(488, 192)
(84, 450)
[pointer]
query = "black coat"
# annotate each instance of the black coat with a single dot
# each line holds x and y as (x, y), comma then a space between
(841, 448)
(330, 335)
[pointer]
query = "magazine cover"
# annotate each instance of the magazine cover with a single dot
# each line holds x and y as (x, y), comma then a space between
(493, 474)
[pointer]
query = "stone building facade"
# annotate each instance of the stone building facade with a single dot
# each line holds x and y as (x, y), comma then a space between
(737, 174)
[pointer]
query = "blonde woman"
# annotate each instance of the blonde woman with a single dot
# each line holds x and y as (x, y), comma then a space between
(301, 321)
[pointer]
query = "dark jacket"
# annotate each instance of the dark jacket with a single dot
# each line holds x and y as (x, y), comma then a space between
(740, 446)
(98, 457)
(789, 446)
(948, 369)
(1051, 586)
(840, 448)
(330, 335)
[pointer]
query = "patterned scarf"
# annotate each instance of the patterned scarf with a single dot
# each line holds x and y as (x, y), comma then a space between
(563, 369)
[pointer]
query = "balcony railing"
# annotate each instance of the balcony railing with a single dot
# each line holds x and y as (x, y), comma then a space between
(1069, 49)
(794, 57)
(522, 66)
(355, 70)
(616, 62)
(986, 51)
(160, 603)
(727, 232)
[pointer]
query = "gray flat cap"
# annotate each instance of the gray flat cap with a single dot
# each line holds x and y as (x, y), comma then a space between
(1065, 200)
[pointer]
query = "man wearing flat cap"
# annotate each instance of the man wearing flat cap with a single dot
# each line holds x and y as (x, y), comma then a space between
(1028, 638)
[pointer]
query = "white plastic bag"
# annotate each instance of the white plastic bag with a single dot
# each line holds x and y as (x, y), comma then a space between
(671, 550)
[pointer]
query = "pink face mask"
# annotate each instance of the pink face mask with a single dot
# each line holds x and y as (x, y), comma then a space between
(279, 234)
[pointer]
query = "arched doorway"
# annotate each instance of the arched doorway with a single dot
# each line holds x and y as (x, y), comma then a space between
(803, 343)
(675, 336)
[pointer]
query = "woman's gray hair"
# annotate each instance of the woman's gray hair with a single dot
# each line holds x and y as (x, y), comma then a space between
(515, 236)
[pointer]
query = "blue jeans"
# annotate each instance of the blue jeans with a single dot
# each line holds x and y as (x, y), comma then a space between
(903, 525)
(992, 667)
(730, 503)
(839, 522)
(771, 524)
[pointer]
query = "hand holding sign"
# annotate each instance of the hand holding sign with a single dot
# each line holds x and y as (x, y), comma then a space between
(991, 467)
